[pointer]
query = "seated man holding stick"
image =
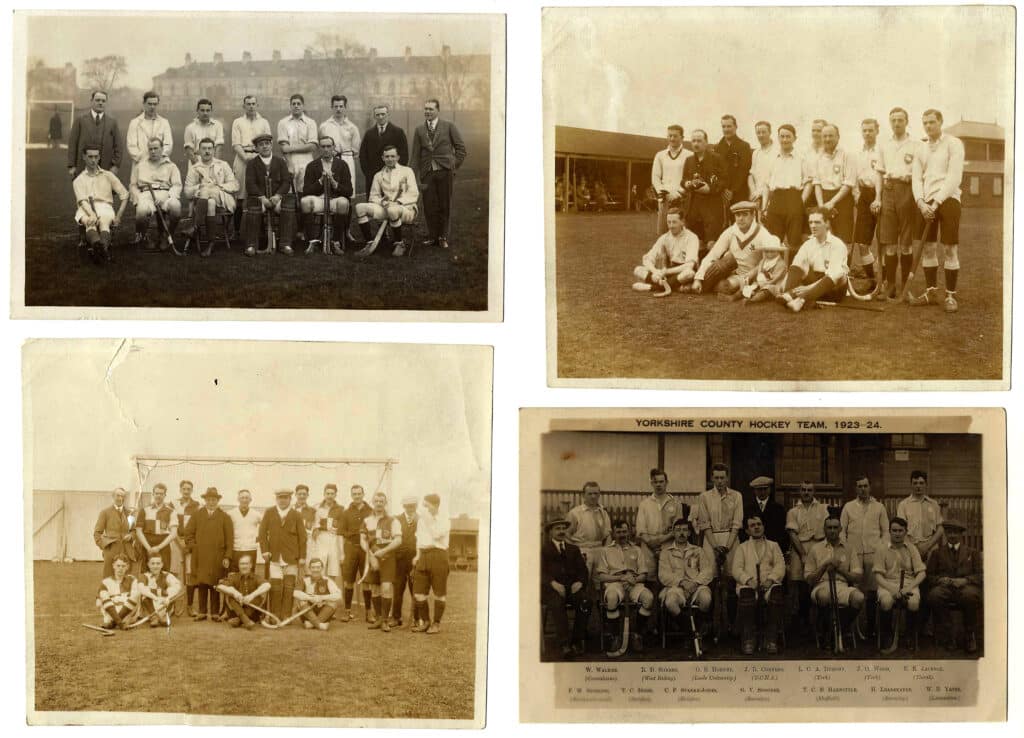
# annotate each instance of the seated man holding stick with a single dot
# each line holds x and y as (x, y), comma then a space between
(685, 571)
(674, 254)
(118, 597)
(321, 594)
(327, 178)
(157, 590)
(393, 200)
(244, 593)
(758, 568)
(94, 194)
(621, 569)
(268, 185)
(819, 270)
(156, 190)
(211, 183)
(899, 572)
(831, 558)
(736, 254)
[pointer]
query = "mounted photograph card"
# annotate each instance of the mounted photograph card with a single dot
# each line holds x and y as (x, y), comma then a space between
(256, 533)
(833, 214)
(318, 166)
(762, 565)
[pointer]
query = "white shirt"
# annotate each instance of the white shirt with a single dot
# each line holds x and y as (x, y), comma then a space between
(433, 532)
(345, 135)
(246, 527)
(394, 185)
(760, 163)
(141, 129)
(667, 172)
(828, 257)
(671, 250)
(243, 130)
(938, 170)
(787, 171)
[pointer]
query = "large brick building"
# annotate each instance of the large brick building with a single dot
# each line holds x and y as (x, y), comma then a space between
(459, 81)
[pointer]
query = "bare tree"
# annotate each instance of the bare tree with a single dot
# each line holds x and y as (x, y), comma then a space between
(455, 80)
(101, 72)
(332, 54)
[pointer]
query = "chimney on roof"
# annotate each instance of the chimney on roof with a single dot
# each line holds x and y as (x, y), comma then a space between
(408, 53)
(276, 55)
(218, 57)
(308, 55)
(373, 54)
(188, 58)
(247, 57)
(446, 51)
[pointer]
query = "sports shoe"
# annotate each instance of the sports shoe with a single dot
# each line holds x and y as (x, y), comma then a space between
(638, 643)
(771, 648)
(883, 293)
(313, 245)
(385, 626)
(442, 242)
(784, 297)
(286, 250)
(322, 626)
(235, 623)
(418, 627)
(307, 625)
(336, 248)
(922, 300)
(376, 625)
(950, 304)
(399, 249)
(748, 648)
(760, 296)
(433, 629)
(795, 304)
(369, 616)
(641, 287)
(250, 251)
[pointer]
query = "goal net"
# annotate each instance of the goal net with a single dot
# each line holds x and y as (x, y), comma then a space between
(262, 477)
(42, 121)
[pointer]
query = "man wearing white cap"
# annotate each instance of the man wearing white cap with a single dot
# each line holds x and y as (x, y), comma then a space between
(283, 543)
(736, 253)
(404, 557)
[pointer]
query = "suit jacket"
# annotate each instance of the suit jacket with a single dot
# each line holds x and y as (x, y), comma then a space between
(106, 135)
(736, 162)
(256, 178)
(564, 569)
(211, 538)
(774, 517)
(445, 147)
(312, 184)
(372, 148)
(111, 527)
(944, 563)
(283, 538)
(710, 170)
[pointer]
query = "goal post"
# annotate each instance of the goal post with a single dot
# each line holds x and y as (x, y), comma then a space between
(261, 476)
(37, 124)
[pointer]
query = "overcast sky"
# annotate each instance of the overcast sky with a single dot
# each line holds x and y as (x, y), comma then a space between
(92, 407)
(153, 43)
(640, 69)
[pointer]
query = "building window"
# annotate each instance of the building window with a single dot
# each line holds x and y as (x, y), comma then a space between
(975, 185)
(997, 186)
(907, 440)
(996, 152)
(975, 150)
(812, 458)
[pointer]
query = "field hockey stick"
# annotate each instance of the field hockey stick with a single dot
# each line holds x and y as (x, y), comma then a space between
(266, 615)
(160, 218)
(286, 621)
(837, 630)
(372, 246)
(625, 637)
(697, 650)
(918, 252)
(98, 629)
(896, 620)
(823, 304)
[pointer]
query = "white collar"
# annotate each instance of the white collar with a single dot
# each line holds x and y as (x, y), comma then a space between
(266, 159)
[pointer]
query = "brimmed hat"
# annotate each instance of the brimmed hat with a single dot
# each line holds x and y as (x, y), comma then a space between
(432, 499)
(742, 207)
(410, 500)
(555, 522)
(762, 482)
(211, 492)
(953, 523)
(261, 137)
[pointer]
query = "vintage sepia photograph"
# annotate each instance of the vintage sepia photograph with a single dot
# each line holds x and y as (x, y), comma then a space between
(725, 558)
(256, 533)
(311, 164)
(733, 227)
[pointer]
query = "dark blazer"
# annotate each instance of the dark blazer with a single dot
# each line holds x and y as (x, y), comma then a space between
(312, 184)
(211, 538)
(736, 162)
(445, 147)
(564, 569)
(256, 178)
(283, 538)
(106, 135)
(372, 148)
(710, 170)
(774, 517)
(965, 563)
(352, 521)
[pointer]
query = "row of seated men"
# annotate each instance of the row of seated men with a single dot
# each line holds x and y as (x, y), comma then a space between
(778, 563)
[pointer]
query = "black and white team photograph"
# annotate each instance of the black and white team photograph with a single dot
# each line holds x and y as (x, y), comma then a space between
(736, 222)
(294, 161)
(243, 522)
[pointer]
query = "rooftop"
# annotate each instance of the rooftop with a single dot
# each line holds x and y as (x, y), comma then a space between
(298, 67)
(977, 129)
(590, 142)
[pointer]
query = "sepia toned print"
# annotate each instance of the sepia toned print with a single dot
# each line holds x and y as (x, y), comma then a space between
(688, 561)
(731, 228)
(245, 521)
(267, 163)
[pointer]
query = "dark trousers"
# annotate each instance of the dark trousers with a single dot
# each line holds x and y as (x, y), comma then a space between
(825, 288)
(437, 187)
(842, 215)
(785, 217)
(403, 572)
(864, 230)
(705, 216)
(968, 598)
(556, 605)
(214, 595)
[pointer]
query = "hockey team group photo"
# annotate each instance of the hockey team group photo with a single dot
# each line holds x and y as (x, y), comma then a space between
(347, 168)
(791, 181)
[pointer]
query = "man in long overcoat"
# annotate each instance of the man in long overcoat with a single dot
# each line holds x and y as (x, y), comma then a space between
(210, 536)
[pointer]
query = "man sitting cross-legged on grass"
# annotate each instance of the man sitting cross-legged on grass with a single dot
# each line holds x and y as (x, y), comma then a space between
(157, 589)
(321, 593)
(94, 193)
(241, 590)
(674, 254)
(119, 595)
(819, 270)
(736, 254)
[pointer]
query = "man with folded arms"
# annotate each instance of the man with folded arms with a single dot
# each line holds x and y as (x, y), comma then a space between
(433, 532)
(155, 527)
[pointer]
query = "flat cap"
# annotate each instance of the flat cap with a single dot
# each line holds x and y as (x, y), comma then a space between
(261, 137)
(762, 482)
(555, 522)
(953, 523)
(742, 207)
(283, 493)
(410, 500)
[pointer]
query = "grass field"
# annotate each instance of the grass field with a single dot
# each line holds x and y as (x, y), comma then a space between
(213, 669)
(605, 330)
(56, 276)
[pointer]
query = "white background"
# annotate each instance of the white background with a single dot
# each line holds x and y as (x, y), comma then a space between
(519, 381)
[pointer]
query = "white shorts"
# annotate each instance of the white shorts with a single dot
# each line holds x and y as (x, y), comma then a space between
(280, 570)
(144, 207)
(395, 213)
(685, 600)
(315, 204)
(820, 593)
(221, 198)
(104, 210)
(615, 593)
(328, 550)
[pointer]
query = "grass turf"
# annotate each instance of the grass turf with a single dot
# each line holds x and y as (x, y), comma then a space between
(605, 330)
(56, 276)
(213, 669)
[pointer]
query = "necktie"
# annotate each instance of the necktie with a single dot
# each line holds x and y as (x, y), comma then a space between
(380, 131)
(96, 119)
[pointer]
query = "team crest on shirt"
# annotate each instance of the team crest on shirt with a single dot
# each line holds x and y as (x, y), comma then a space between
(908, 158)
(836, 169)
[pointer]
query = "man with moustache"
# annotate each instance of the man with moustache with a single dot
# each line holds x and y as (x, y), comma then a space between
(283, 543)
(114, 532)
(564, 584)
(702, 178)
(354, 558)
(155, 527)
